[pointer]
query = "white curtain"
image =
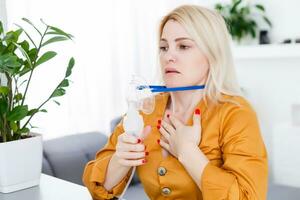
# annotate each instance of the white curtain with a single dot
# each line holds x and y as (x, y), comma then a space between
(113, 40)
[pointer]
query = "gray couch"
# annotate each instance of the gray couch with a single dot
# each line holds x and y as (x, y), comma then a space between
(66, 157)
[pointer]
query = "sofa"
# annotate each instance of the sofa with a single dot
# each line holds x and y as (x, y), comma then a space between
(66, 157)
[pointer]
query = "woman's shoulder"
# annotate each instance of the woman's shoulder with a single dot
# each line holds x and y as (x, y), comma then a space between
(236, 107)
(235, 102)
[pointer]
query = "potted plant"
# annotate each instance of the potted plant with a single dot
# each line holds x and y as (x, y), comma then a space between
(20, 149)
(241, 19)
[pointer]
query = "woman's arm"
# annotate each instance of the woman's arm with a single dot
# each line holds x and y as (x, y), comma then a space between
(115, 173)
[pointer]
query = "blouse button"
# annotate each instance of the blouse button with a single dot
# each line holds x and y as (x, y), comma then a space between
(161, 171)
(166, 191)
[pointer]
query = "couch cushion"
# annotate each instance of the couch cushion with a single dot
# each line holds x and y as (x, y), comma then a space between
(67, 156)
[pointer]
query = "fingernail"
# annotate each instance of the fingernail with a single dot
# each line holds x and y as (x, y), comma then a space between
(146, 153)
(145, 147)
(158, 126)
(168, 115)
(158, 141)
(144, 161)
(159, 121)
(197, 111)
(139, 141)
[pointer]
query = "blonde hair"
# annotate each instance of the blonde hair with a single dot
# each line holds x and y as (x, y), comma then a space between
(208, 29)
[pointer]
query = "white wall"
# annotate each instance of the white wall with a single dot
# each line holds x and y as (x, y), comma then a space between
(3, 12)
(272, 86)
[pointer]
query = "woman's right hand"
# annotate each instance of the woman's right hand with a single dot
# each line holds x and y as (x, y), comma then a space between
(130, 150)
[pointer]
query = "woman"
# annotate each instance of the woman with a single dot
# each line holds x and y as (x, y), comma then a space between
(198, 144)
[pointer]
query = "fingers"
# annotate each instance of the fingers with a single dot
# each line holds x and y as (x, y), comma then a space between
(164, 133)
(175, 122)
(128, 138)
(130, 151)
(130, 147)
(169, 128)
(164, 145)
(131, 155)
(132, 163)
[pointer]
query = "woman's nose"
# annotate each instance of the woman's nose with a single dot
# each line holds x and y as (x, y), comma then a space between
(170, 56)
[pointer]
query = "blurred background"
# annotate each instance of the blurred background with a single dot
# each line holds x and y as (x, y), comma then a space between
(114, 39)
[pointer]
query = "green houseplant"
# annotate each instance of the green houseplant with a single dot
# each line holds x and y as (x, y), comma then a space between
(241, 18)
(15, 67)
(19, 59)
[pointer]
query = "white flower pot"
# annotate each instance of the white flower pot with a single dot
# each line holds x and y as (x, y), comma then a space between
(21, 163)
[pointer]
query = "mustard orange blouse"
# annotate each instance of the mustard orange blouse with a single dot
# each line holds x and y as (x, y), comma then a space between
(231, 140)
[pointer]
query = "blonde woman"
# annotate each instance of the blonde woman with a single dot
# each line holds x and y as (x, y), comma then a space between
(197, 144)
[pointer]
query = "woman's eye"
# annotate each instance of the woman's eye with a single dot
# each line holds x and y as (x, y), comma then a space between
(183, 47)
(162, 48)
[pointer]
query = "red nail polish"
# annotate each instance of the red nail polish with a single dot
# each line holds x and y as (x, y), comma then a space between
(144, 161)
(158, 141)
(146, 153)
(159, 121)
(139, 141)
(158, 126)
(197, 111)
(168, 115)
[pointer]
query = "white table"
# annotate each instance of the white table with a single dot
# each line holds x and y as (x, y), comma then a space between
(50, 188)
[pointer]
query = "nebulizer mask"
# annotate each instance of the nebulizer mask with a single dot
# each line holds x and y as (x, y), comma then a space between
(141, 98)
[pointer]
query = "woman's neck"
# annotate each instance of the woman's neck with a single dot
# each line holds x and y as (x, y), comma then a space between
(183, 103)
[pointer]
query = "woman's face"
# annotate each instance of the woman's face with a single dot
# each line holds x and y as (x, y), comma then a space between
(182, 62)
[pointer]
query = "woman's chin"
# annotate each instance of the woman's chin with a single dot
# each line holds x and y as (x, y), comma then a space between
(170, 84)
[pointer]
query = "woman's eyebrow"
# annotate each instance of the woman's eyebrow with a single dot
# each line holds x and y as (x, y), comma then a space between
(177, 39)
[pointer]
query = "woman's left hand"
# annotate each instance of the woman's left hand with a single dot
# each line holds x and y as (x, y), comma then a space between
(177, 136)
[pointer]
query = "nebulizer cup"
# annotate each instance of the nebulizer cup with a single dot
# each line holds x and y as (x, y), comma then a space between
(139, 99)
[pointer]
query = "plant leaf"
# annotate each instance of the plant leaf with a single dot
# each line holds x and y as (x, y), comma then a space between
(24, 54)
(58, 92)
(55, 39)
(235, 5)
(45, 57)
(29, 22)
(13, 126)
(23, 130)
(18, 97)
(27, 35)
(64, 83)
(32, 112)
(260, 7)
(268, 21)
(70, 67)
(60, 32)
(57, 102)
(1, 28)
(3, 106)
(25, 45)
(4, 90)
(17, 113)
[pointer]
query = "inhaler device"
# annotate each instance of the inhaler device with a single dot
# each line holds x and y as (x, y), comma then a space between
(138, 100)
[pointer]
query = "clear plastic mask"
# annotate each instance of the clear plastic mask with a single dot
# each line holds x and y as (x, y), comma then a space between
(144, 99)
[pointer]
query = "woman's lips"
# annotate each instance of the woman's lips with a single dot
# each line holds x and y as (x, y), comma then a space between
(171, 70)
